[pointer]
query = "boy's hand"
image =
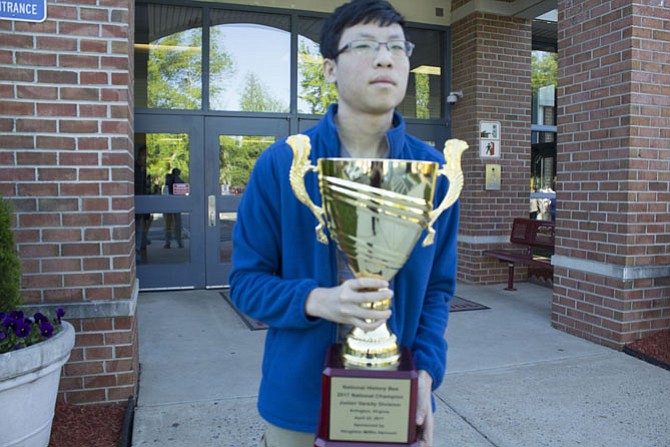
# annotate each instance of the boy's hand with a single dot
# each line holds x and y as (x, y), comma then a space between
(424, 411)
(349, 303)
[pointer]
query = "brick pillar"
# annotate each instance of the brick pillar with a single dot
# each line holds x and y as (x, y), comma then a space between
(66, 131)
(491, 64)
(612, 262)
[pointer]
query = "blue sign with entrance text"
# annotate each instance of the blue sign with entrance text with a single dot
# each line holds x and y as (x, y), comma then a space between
(24, 10)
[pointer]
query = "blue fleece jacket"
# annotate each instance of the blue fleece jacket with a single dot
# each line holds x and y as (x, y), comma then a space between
(277, 262)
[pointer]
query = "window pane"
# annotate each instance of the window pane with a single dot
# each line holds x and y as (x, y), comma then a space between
(544, 79)
(226, 224)
(157, 157)
(162, 168)
(168, 57)
(237, 155)
(314, 93)
(543, 162)
(163, 238)
(250, 55)
(424, 90)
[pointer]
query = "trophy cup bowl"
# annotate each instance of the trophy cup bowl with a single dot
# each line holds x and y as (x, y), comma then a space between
(375, 211)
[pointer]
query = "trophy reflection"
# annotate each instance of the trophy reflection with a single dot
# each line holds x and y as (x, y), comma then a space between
(375, 211)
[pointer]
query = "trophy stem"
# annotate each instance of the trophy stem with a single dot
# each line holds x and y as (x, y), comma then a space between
(377, 349)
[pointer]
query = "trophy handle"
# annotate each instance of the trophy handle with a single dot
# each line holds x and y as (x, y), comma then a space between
(453, 150)
(300, 166)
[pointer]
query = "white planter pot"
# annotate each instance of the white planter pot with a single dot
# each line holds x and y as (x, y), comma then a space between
(29, 381)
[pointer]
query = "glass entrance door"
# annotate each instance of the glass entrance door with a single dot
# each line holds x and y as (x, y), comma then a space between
(190, 173)
(232, 147)
(169, 191)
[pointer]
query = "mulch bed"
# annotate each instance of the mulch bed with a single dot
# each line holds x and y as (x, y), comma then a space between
(87, 425)
(654, 349)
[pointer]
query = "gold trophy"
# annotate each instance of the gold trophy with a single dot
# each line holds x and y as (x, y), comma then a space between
(375, 211)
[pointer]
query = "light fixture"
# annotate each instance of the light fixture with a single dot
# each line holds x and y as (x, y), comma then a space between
(427, 69)
(151, 46)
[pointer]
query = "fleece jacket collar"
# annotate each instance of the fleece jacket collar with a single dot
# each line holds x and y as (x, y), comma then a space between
(328, 128)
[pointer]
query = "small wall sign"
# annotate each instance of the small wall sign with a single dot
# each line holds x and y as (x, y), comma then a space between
(23, 10)
(493, 176)
(489, 139)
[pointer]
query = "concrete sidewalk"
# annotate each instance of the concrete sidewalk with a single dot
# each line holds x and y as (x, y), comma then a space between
(512, 380)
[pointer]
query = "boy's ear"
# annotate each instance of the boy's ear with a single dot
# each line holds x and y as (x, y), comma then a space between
(329, 70)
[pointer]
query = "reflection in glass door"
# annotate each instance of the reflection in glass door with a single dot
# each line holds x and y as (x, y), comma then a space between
(237, 154)
(232, 148)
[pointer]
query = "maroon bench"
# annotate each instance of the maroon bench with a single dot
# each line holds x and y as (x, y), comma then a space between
(534, 241)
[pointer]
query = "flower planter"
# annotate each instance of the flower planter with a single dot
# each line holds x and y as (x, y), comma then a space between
(29, 381)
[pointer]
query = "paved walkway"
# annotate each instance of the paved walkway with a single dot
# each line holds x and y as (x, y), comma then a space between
(512, 381)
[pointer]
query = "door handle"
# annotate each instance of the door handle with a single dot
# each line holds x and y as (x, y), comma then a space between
(211, 210)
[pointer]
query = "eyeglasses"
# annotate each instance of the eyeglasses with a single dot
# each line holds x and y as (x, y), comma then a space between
(369, 48)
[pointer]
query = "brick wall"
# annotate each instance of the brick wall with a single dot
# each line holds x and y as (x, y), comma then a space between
(103, 364)
(66, 154)
(491, 65)
(613, 218)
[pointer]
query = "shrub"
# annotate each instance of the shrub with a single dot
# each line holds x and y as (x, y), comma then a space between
(10, 266)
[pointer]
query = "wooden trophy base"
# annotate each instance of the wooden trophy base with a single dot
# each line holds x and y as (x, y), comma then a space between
(368, 407)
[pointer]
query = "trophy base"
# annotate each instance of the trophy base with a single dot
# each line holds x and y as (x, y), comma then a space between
(368, 407)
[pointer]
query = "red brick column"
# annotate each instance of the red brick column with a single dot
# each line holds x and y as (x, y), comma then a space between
(66, 131)
(612, 262)
(491, 64)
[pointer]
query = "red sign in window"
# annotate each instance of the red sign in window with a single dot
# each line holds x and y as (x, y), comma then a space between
(180, 189)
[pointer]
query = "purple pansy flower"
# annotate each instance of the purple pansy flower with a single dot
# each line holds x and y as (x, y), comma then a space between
(46, 329)
(18, 331)
(22, 328)
(59, 314)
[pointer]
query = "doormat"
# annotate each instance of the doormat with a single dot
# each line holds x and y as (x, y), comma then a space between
(459, 304)
(249, 322)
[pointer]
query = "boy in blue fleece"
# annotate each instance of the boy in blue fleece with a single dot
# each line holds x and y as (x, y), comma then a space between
(284, 277)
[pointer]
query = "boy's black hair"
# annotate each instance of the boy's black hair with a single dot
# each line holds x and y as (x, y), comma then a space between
(353, 13)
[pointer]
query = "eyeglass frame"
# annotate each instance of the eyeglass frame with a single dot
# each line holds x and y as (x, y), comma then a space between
(409, 46)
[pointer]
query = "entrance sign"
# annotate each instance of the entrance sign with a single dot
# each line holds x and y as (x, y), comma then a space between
(23, 10)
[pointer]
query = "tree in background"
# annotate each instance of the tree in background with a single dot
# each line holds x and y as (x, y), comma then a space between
(174, 70)
(166, 151)
(544, 69)
(422, 83)
(256, 97)
(237, 157)
(314, 90)
(174, 81)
